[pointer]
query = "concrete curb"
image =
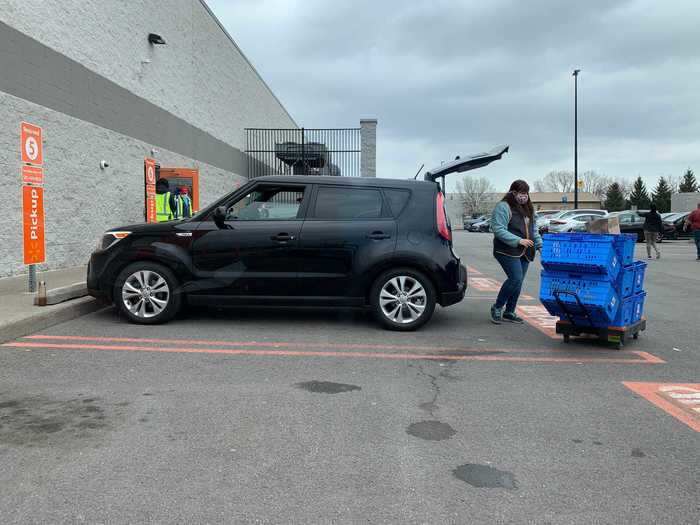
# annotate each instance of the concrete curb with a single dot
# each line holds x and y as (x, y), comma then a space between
(64, 293)
(43, 319)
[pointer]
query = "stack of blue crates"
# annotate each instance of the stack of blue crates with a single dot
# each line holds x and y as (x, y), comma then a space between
(600, 270)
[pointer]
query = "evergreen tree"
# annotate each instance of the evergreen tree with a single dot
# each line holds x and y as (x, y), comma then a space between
(689, 184)
(662, 196)
(614, 198)
(639, 196)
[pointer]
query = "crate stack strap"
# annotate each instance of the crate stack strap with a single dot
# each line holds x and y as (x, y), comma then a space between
(600, 271)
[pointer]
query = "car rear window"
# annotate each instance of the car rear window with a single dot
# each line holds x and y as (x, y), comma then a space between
(397, 200)
(335, 203)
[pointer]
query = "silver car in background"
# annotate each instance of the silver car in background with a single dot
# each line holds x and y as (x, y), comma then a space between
(566, 220)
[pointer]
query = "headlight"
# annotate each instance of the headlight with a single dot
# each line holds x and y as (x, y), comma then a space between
(111, 238)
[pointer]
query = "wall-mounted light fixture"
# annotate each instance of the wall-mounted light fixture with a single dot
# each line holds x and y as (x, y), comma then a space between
(155, 39)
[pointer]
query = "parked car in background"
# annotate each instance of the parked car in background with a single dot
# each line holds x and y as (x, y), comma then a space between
(571, 221)
(670, 216)
(468, 221)
(483, 226)
(562, 216)
(632, 222)
(678, 221)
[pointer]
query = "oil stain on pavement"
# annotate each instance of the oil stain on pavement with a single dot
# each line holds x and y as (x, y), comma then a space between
(483, 476)
(37, 421)
(431, 430)
(326, 387)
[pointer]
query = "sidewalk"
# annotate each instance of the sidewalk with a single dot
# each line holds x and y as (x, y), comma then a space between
(18, 314)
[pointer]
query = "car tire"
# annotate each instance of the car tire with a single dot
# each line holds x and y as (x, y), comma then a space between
(403, 299)
(158, 303)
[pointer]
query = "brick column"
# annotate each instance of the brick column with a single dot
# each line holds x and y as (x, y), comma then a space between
(368, 146)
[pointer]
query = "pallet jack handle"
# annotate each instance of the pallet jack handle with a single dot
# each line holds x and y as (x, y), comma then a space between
(566, 311)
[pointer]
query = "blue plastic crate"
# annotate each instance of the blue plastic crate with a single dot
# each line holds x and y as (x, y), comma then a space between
(638, 310)
(596, 293)
(624, 246)
(581, 253)
(625, 281)
(625, 313)
(640, 268)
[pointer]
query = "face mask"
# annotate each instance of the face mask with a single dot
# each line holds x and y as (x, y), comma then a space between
(522, 198)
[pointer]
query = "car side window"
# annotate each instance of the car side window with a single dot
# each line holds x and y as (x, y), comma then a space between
(343, 203)
(626, 219)
(267, 203)
(397, 200)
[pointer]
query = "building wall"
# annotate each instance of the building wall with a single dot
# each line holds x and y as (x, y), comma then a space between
(200, 76)
(75, 69)
(684, 201)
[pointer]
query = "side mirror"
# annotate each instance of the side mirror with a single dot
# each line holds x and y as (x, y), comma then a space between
(219, 216)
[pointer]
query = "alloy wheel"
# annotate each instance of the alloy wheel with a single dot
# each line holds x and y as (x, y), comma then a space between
(403, 299)
(145, 293)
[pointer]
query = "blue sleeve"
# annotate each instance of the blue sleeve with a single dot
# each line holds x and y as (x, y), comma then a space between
(499, 225)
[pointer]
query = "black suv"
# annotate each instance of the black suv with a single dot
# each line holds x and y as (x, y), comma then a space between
(292, 241)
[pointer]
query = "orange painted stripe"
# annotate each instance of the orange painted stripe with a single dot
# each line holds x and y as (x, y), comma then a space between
(536, 321)
(652, 393)
(473, 270)
(292, 344)
(299, 353)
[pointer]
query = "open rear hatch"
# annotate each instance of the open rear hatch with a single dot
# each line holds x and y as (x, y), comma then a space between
(461, 164)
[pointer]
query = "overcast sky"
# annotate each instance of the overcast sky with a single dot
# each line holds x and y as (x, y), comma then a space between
(446, 78)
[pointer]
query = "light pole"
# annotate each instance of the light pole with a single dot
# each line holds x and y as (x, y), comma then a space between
(575, 75)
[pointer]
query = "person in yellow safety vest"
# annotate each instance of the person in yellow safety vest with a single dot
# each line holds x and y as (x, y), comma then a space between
(164, 201)
(183, 203)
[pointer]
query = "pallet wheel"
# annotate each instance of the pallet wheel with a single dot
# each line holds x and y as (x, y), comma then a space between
(567, 338)
(636, 335)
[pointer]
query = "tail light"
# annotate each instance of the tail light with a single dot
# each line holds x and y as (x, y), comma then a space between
(443, 227)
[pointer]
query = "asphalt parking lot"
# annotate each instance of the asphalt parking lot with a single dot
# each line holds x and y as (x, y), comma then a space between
(318, 416)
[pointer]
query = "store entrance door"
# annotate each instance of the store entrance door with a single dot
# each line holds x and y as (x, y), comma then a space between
(181, 179)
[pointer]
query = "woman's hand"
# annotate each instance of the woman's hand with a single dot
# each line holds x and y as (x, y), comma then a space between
(526, 243)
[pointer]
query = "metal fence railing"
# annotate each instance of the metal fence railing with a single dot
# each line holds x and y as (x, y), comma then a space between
(334, 152)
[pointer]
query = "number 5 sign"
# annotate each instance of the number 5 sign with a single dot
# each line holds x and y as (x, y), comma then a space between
(31, 144)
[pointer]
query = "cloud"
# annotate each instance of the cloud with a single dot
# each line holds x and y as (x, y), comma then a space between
(449, 77)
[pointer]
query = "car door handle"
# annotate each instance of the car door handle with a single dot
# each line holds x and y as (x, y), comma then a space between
(378, 236)
(282, 237)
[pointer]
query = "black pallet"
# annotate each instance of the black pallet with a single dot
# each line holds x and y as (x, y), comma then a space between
(616, 335)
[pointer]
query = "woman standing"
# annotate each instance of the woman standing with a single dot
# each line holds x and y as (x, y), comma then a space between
(652, 228)
(515, 239)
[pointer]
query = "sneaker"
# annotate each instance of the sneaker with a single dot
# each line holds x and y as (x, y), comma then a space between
(496, 315)
(658, 256)
(649, 256)
(512, 318)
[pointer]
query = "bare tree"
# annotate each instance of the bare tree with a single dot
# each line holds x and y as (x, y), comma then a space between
(673, 182)
(475, 193)
(595, 183)
(559, 181)
(626, 186)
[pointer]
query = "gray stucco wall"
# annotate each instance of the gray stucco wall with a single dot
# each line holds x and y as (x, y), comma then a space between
(77, 69)
(682, 202)
(199, 76)
(81, 200)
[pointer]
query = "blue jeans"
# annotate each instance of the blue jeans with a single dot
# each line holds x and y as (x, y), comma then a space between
(696, 235)
(515, 268)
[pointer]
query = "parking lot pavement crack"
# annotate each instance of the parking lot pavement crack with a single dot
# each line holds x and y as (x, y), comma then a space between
(431, 406)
